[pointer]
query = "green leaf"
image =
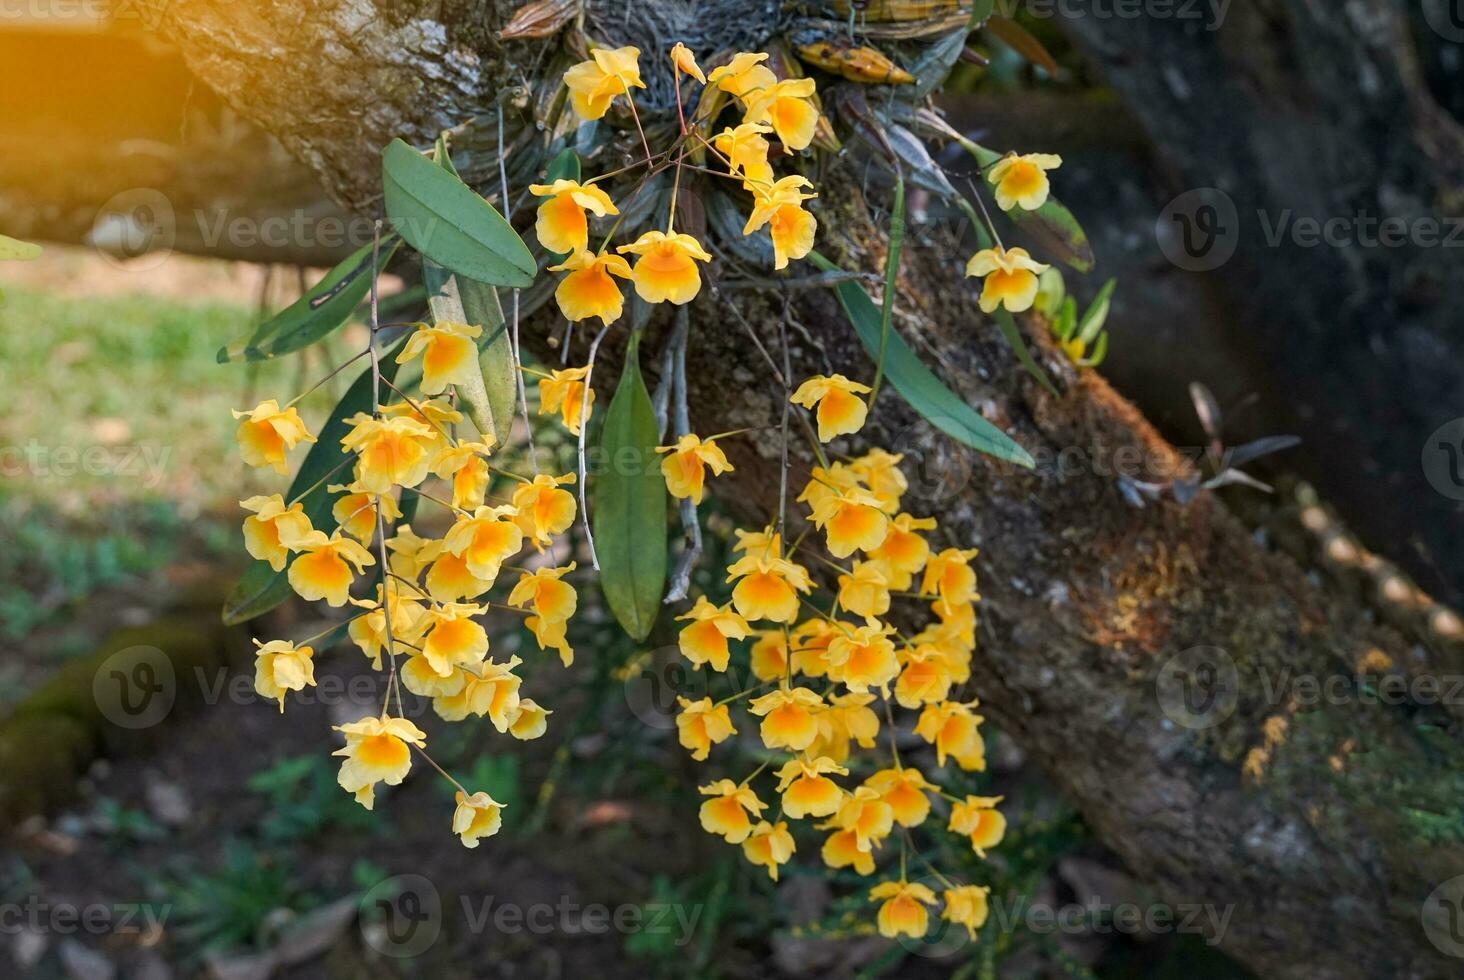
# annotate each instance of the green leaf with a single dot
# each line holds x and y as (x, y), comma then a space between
(1067, 319)
(1097, 314)
(916, 383)
(1020, 40)
(564, 166)
(323, 309)
(1008, 328)
(1051, 290)
(981, 11)
(1052, 226)
(261, 588)
(14, 248)
(488, 398)
(892, 272)
(629, 514)
(445, 220)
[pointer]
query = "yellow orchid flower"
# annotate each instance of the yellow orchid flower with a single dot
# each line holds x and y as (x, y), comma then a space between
(476, 817)
(321, 570)
(839, 409)
(542, 509)
(789, 717)
(393, 451)
(726, 813)
(702, 724)
(902, 912)
(967, 905)
(268, 433)
(779, 205)
(685, 62)
(564, 392)
(807, 790)
(788, 108)
(685, 468)
(977, 819)
(1021, 181)
(666, 268)
(594, 84)
(769, 845)
(1011, 278)
(561, 224)
(588, 290)
(705, 640)
(449, 354)
(273, 529)
(742, 74)
(280, 666)
(376, 751)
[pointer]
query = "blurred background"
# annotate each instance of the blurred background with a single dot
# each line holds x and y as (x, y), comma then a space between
(213, 841)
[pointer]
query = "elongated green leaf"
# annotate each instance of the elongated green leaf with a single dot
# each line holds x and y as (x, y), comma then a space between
(564, 166)
(916, 383)
(981, 11)
(445, 220)
(629, 496)
(892, 272)
(1052, 225)
(323, 309)
(1097, 314)
(261, 588)
(489, 397)
(1020, 40)
(14, 248)
(1008, 328)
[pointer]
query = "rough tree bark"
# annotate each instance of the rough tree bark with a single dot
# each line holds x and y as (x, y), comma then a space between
(1325, 828)
(1301, 110)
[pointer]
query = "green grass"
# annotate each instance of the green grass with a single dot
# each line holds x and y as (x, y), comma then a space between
(133, 382)
(117, 451)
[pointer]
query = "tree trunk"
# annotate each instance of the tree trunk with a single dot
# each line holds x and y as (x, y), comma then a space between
(1300, 112)
(1324, 827)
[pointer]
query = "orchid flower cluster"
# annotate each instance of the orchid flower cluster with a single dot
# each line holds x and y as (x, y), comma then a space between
(424, 609)
(665, 268)
(830, 678)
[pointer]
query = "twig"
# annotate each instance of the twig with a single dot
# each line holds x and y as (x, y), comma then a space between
(583, 432)
(819, 280)
(787, 408)
(691, 525)
(513, 337)
(391, 681)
